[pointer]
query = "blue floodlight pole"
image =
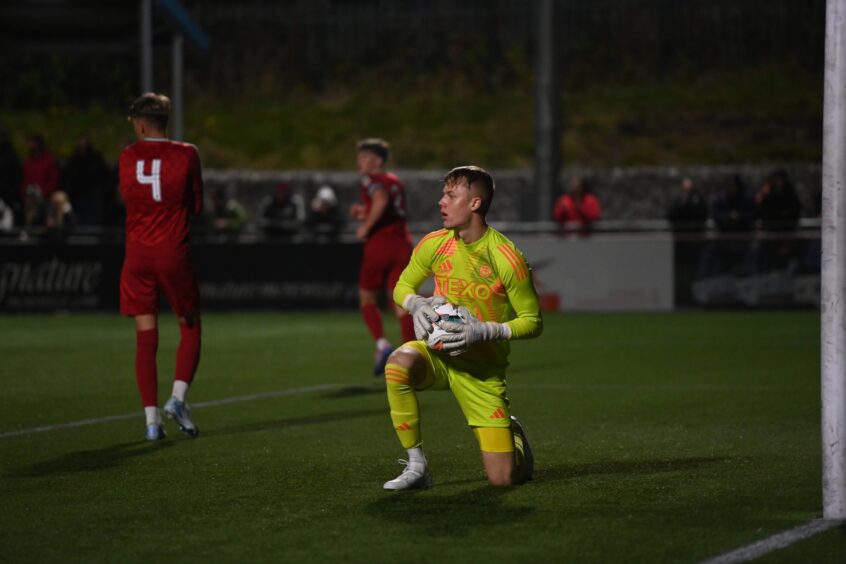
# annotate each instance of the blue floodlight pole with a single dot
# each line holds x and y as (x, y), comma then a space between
(833, 308)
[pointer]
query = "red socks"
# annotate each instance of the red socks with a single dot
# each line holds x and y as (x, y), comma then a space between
(373, 319)
(187, 359)
(407, 328)
(188, 353)
(147, 342)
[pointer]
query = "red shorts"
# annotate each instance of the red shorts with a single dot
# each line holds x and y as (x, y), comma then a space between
(382, 264)
(143, 277)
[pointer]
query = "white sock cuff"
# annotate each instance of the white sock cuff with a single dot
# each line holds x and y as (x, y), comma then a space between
(180, 389)
(153, 416)
(416, 456)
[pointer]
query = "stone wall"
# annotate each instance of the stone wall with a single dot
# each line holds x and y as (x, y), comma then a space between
(625, 193)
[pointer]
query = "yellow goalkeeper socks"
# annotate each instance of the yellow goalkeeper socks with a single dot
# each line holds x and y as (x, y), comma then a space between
(405, 411)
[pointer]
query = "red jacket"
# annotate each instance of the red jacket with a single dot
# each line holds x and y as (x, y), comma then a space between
(43, 171)
(585, 212)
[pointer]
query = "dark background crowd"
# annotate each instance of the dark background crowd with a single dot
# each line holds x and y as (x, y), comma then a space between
(45, 198)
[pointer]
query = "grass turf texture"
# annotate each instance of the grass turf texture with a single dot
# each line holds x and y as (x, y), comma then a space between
(658, 438)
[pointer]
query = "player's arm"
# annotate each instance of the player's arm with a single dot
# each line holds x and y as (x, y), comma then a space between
(378, 205)
(528, 323)
(516, 276)
(197, 182)
(357, 211)
(422, 309)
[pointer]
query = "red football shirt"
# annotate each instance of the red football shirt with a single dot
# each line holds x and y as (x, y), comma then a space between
(161, 183)
(392, 224)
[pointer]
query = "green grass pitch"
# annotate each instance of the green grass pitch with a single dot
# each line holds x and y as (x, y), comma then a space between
(658, 438)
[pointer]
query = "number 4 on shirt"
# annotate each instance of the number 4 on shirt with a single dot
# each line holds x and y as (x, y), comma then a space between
(153, 179)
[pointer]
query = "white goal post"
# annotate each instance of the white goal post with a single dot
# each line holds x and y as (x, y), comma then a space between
(833, 308)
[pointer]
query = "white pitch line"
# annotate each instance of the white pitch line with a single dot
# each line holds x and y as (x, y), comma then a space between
(775, 542)
(138, 414)
(308, 389)
(668, 387)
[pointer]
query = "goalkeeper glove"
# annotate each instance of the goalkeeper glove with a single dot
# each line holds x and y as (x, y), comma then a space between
(423, 313)
(461, 336)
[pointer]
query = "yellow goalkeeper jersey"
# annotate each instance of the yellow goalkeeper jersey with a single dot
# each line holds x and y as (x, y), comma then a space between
(489, 277)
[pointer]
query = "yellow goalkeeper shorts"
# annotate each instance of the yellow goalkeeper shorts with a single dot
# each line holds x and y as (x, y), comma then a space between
(482, 397)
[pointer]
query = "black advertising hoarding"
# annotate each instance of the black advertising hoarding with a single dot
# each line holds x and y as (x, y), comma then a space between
(744, 271)
(78, 277)
(44, 278)
(761, 270)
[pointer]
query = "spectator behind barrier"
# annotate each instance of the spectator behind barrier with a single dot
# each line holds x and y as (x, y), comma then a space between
(578, 205)
(227, 216)
(7, 218)
(283, 214)
(85, 178)
(34, 212)
(10, 175)
(688, 211)
(733, 209)
(325, 220)
(777, 205)
(40, 168)
(61, 219)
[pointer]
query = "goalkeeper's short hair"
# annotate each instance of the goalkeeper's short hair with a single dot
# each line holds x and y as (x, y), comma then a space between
(474, 176)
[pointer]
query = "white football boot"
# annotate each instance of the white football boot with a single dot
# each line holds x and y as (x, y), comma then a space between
(155, 432)
(410, 479)
(178, 411)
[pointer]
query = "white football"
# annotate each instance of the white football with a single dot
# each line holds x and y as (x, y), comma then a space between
(448, 312)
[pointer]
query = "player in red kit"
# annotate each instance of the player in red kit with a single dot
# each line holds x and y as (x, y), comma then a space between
(387, 243)
(162, 186)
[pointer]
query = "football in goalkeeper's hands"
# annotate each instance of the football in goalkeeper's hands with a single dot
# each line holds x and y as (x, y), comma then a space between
(448, 312)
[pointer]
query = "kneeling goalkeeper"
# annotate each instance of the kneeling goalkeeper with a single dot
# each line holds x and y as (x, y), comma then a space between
(481, 271)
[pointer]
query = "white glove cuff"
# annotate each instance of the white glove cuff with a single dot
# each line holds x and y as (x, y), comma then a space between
(406, 303)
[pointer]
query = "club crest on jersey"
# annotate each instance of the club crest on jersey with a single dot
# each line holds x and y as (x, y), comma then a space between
(485, 270)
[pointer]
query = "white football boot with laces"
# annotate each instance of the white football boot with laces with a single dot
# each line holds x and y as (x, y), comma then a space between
(411, 478)
(178, 411)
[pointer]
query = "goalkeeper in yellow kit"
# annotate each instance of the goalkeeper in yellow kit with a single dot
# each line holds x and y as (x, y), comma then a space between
(481, 271)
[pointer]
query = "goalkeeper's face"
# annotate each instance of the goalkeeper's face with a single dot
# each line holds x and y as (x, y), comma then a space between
(458, 204)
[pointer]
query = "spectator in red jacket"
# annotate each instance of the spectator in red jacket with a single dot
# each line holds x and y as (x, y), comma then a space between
(40, 168)
(577, 205)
